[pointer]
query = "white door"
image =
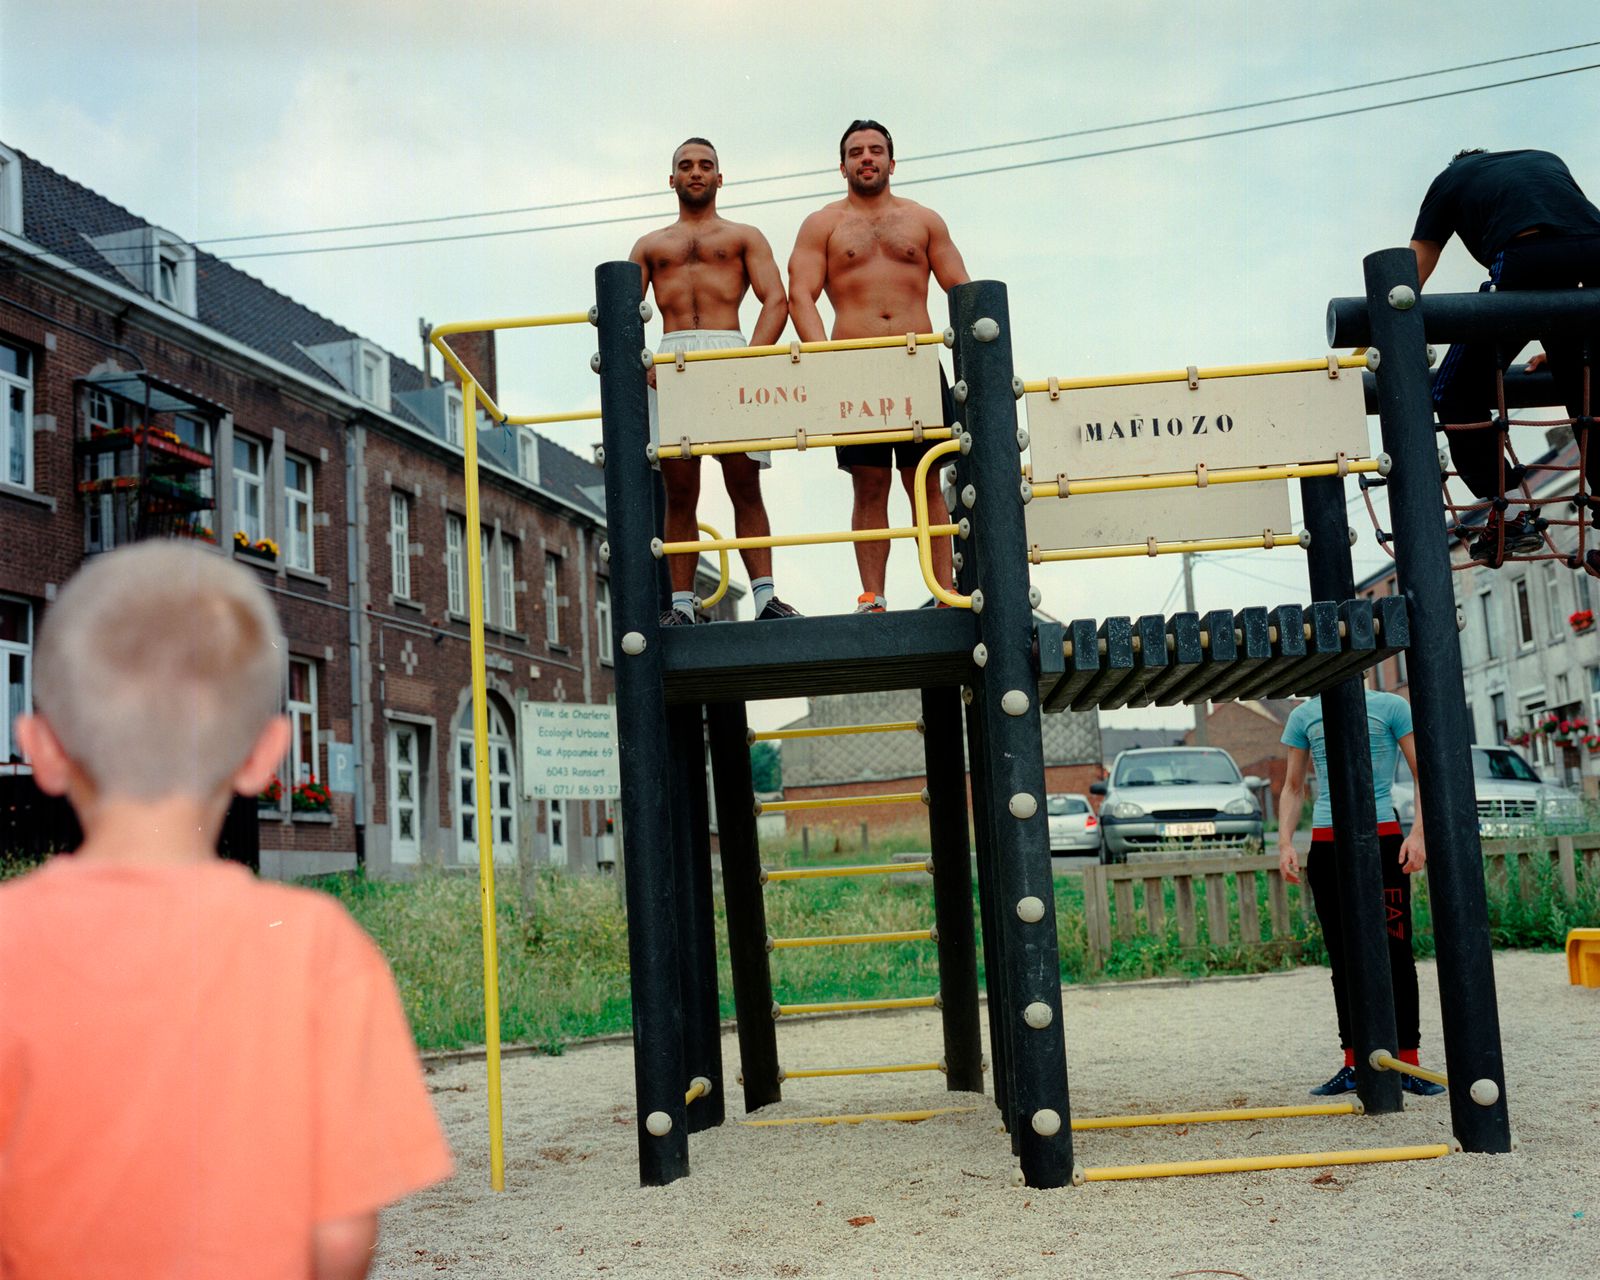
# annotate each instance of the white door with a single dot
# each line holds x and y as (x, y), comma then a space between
(556, 828)
(405, 792)
(503, 812)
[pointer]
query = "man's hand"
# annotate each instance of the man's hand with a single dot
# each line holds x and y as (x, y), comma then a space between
(1413, 853)
(1289, 863)
(1537, 362)
(650, 375)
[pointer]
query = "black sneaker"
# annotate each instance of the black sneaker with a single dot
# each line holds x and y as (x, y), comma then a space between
(1522, 538)
(676, 618)
(777, 609)
(1343, 1081)
(1422, 1088)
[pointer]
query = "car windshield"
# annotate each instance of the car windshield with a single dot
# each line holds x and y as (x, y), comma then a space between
(1061, 806)
(1502, 766)
(1170, 768)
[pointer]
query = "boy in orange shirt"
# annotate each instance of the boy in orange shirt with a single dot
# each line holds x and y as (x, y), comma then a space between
(202, 1075)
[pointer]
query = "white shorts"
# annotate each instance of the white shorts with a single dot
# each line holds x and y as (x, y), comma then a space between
(687, 340)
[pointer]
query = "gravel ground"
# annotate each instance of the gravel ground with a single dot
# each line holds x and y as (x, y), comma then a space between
(937, 1197)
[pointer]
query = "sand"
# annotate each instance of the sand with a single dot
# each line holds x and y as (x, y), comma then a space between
(937, 1197)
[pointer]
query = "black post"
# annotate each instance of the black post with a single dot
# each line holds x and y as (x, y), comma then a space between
(1443, 725)
(1025, 905)
(952, 889)
(1369, 988)
(741, 892)
(658, 1064)
(697, 931)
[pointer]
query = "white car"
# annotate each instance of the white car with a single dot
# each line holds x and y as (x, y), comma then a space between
(1511, 796)
(1073, 825)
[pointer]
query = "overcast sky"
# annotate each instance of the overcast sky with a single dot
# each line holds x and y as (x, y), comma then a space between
(228, 119)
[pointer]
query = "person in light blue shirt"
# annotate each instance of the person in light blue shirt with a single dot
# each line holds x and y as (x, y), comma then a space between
(1389, 735)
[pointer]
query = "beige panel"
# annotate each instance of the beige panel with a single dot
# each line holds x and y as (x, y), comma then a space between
(1167, 515)
(1224, 422)
(825, 392)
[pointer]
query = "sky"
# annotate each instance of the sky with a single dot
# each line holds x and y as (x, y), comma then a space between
(225, 119)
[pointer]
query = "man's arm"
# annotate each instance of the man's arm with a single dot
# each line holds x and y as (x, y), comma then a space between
(1414, 852)
(342, 1249)
(943, 256)
(1427, 252)
(767, 285)
(808, 272)
(1291, 800)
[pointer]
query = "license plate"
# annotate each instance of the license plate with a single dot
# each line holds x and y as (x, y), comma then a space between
(1189, 829)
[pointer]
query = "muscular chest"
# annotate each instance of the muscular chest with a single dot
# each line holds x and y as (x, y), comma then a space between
(858, 241)
(694, 251)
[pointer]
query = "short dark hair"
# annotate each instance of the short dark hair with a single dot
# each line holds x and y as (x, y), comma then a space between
(1469, 151)
(690, 142)
(856, 126)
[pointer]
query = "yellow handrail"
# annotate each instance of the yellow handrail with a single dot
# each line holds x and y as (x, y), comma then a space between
(795, 540)
(840, 802)
(1182, 375)
(919, 502)
(827, 873)
(836, 440)
(439, 332)
(544, 419)
(1197, 546)
(828, 731)
(844, 939)
(1382, 1061)
(804, 348)
(1191, 479)
(722, 566)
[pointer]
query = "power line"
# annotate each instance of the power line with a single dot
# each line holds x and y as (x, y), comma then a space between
(931, 155)
(945, 177)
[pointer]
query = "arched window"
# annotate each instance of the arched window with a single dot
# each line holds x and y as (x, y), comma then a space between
(502, 787)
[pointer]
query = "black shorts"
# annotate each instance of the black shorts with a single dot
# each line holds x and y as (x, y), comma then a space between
(905, 453)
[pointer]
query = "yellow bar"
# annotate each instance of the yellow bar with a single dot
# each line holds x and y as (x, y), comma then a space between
(1252, 1164)
(839, 802)
(861, 1006)
(696, 1090)
(722, 568)
(844, 939)
(1258, 543)
(483, 796)
(826, 731)
(1182, 375)
(1213, 1117)
(1385, 1062)
(542, 419)
(509, 322)
(797, 540)
(919, 503)
(1189, 480)
(789, 442)
(469, 420)
(903, 1117)
(806, 348)
(817, 1073)
(824, 873)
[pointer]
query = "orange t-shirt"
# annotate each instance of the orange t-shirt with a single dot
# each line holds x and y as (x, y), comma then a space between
(196, 1068)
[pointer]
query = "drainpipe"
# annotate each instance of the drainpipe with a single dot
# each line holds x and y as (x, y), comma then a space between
(352, 546)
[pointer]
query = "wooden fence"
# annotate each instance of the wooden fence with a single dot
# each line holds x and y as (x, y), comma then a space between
(1509, 864)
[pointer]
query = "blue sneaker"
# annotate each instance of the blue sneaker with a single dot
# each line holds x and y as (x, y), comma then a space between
(1422, 1088)
(1343, 1081)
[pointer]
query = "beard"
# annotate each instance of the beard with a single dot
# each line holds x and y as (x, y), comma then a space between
(869, 186)
(693, 200)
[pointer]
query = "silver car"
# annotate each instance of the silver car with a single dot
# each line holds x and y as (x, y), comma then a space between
(1073, 825)
(1160, 797)
(1512, 799)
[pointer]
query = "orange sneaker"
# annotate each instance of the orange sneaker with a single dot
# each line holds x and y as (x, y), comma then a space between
(867, 602)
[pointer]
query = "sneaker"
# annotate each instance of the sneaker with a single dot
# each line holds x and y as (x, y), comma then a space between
(777, 609)
(1343, 1081)
(867, 602)
(1522, 538)
(1422, 1088)
(676, 618)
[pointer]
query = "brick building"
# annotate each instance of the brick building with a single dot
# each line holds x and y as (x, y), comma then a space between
(154, 390)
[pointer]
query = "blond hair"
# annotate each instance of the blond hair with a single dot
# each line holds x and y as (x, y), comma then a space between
(157, 668)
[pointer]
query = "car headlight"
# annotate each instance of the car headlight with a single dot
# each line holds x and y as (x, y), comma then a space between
(1124, 809)
(1242, 805)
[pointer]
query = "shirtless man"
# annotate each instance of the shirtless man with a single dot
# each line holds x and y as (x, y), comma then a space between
(700, 267)
(873, 253)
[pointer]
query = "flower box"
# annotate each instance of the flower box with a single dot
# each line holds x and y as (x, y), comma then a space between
(310, 797)
(1581, 621)
(261, 549)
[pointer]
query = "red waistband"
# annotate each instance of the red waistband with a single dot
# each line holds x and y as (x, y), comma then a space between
(1324, 835)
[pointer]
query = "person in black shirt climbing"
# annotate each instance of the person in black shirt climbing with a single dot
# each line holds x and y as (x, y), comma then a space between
(1523, 216)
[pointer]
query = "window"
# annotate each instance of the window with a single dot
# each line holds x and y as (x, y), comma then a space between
(455, 566)
(556, 827)
(1491, 641)
(552, 599)
(10, 192)
(16, 424)
(302, 711)
(501, 771)
(452, 418)
(400, 544)
(105, 516)
(298, 551)
(1594, 694)
(508, 583)
(16, 659)
(1524, 613)
(484, 548)
(200, 436)
(1497, 709)
(372, 363)
(528, 455)
(249, 483)
(169, 264)
(1580, 589)
(602, 617)
(1563, 689)
(1552, 601)
(405, 757)
(101, 413)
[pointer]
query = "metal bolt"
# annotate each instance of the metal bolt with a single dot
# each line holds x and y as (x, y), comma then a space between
(594, 362)
(977, 601)
(926, 798)
(1385, 464)
(647, 358)
(599, 455)
(1014, 703)
(1373, 357)
(1037, 1015)
(652, 452)
(986, 329)
(1352, 537)
(966, 694)
(1305, 538)
(1017, 389)
(1484, 1092)
(959, 391)
(1461, 619)
(605, 552)
(656, 546)
(1026, 490)
(1402, 297)
(966, 441)
(594, 315)
(659, 1123)
(1030, 910)
(1022, 438)
(633, 644)
(980, 655)
(1023, 805)
(1047, 1123)
(959, 559)
(964, 529)
(756, 807)
(1035, 596)
(646, 312)
(1433, 357)
(969, 497)
(949, 337)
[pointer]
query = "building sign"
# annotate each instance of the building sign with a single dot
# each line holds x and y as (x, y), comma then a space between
(1149, 429)
(341, 768)
(823, 392)
(569, 751)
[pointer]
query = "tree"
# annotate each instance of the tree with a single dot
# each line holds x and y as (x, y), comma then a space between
(766, 767)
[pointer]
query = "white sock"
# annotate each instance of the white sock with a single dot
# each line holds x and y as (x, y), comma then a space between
(683, 602)
(762, 590)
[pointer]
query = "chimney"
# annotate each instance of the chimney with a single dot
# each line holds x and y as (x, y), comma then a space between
(476, 351)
